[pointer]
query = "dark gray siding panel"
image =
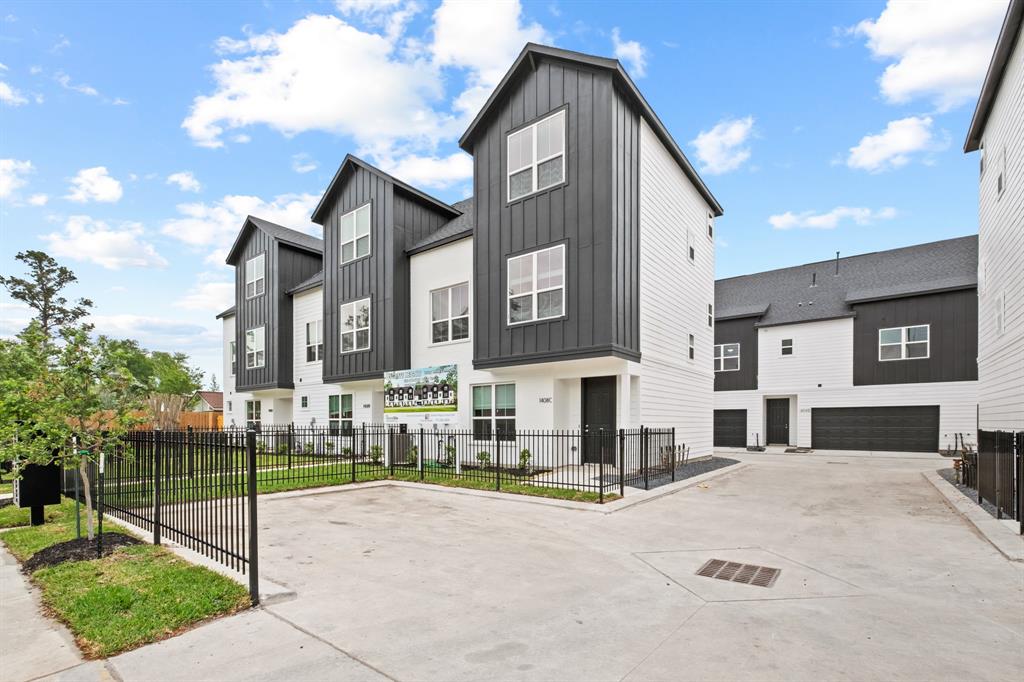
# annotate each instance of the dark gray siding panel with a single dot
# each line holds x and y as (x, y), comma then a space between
(259, 311)
(744, 332)
(953, 317)
(625, 197)
(577, 213)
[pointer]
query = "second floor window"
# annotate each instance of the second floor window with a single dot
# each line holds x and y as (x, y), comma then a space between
(536, 285)
(314, 341)
(255, 348)
(727, 357)
(255, 269)
(449, 314)
(233, 351)
(536, 156)
(787, 346)
(903, 343)
(355, 234)
(355, 326)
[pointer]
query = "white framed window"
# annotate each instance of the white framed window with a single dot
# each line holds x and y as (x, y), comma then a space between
(494, 412)
(315, 341)
(253, 414)
(727, 357)
(233, 351)
(536, 285)
(711, 315)
(711, 225)
(1000, 313)
(255, 271)
(449, 314)
(691, 252)
(229, 406)
(255, 348)
(691, 349)
(355, 234)
(904, 343)
(355, 326)
(339, 413)
(304, 401)
(787, 347)
(536, 156)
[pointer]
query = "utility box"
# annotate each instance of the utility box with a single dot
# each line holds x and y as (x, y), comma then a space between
(37, 486)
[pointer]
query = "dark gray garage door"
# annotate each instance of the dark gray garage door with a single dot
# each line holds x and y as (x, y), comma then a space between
(912, 428)
(730, 428)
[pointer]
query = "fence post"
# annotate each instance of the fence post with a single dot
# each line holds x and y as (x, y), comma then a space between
(352, 452)
(99, 509)
(391, 450)
(254, 555)
(999, 478)
(157, 456)
(673, 454)
(644, 454)
(291, 436)
(622, 462)
(190, 451)
(600, 467)
(420, 452)
(78, 494)
(497, 460)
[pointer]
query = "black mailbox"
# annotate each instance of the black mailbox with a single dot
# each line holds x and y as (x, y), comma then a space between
(38, 485)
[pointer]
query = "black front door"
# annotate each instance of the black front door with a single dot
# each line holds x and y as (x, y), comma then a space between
(599, 419)
(778, 421)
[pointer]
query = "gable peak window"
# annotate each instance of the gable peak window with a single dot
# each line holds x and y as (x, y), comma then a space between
(354, 240)
(314, 341)
(449, 314)
(255, 348)
(727, 357)
(787, 346)
(536, 285)
(355, 326)
(536, 156)
(255, 280)
(711, 225)
(904, 343)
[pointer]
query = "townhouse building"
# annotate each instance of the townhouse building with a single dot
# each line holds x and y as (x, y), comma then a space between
(574, 290)
(997, 134)
(868, 352)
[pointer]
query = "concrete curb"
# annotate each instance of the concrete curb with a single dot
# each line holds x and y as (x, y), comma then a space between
(1008, 542)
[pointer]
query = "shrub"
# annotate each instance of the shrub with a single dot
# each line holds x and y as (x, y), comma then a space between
(376, 454)
(261, 447)
(413, 455)
(484, 458)
(346, 453)
(308, 447)
(282, 448)
(330, 446)
(524, 459)
(449, 455)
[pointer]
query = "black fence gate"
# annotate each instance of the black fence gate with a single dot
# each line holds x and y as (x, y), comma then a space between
(1000, 473)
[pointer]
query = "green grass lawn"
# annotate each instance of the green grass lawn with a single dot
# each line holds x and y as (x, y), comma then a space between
(136, 595)
(6, 487)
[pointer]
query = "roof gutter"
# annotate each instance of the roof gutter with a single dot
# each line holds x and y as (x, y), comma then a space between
(993, 79)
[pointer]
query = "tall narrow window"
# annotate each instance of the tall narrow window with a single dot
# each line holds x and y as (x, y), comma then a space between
(711, 225)
(355, 234)
(536, 285)
(494, 412)
(255, 348)
(711, 315)
(787, 347)
(691, 252)
(904, 343)
(304, 401)
(255, 269)
(339, 413)
(314, 341)
(449, 314)
(727, 357)
(691, 347)
(355, 326)
(536, 156)
(233, 351)
(253, 414)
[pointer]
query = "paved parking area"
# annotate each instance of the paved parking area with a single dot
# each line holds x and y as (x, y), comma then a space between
(880, 579)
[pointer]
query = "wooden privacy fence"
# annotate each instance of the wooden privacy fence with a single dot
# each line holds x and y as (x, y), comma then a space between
(201, 420)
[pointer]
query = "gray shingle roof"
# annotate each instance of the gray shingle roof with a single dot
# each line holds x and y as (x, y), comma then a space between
(456, 228)
(227, 313)
(288, 235)
(789, 297)
(311, 282)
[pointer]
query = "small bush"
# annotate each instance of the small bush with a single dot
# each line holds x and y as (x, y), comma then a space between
(484, 458)
(449, 455)
(376, 454)
(524, 459)
(346, 453)
(413, 455)
(282, 448)
(308, 448)
(330, 446)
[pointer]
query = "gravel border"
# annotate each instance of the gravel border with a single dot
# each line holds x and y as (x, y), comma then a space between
(970, 493)
(688, 470)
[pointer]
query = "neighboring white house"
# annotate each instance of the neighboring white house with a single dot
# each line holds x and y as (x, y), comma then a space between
(997, 133)
(867, 352)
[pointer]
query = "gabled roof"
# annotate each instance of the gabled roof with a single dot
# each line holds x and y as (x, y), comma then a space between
(527, 59)
(453, 230)
(285, 235)
(787, 295)
(994, 78)
(351, 161)
(214, 399)
(312, 282)
(227, 313)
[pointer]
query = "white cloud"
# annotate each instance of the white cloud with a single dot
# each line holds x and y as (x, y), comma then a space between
(894, 146)
(38, 200)
(208, 296)
(939, 50)
(630, 52)
(159, 333)
(431, 171)
(94, 184)
(831, 219)
(723, 148)
(185, 181)
(13, 318)
(94, 241)
(303, 163)
(215, 225)
(390, 15)
(241, 138)
(60, 45)
(65, 82)
(10, 96)
(12, 175)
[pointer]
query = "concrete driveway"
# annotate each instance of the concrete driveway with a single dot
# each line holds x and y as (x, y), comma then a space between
(880, 579)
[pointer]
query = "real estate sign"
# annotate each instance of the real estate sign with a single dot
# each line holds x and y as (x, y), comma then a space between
(421, 397)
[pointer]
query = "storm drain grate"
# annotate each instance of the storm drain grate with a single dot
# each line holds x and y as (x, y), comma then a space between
(748, 574)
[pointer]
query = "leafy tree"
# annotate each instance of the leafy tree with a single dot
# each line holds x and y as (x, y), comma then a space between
(214, 386)
(42, 292)
(174, 375)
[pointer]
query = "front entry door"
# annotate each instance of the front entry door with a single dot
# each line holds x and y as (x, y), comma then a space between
(778, 421)
(599, 420)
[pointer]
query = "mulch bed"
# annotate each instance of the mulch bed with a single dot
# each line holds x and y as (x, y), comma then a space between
(6, 502)
(82, 549)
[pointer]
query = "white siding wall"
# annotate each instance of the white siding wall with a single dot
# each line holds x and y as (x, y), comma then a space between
(674, 295)
(234, 403)
(308, 376)
(1001, 256)
(822, 354)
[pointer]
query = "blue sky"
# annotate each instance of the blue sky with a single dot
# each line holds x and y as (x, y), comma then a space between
(134, 138)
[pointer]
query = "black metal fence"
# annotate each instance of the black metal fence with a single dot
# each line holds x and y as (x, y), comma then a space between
(998, 473)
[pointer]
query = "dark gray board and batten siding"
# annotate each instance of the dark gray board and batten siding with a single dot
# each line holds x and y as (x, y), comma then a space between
(284, 267)
(396, 221)
(953, 348)
(595, 213)
(743, 332)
